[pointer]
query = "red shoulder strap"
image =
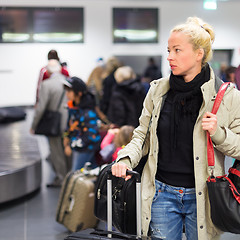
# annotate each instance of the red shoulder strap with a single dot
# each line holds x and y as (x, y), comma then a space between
(217, 102)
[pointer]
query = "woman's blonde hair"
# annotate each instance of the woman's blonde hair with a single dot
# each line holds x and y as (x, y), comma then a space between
(112, 64)
(124, 136)
(96, 78)
(201, 35)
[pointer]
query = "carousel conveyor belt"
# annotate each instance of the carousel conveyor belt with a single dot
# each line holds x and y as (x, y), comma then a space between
(20, 160)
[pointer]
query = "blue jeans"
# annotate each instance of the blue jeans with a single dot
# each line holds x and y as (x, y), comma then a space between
(173, 208)
(80, 158)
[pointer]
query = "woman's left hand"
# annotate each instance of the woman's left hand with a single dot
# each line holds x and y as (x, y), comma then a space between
(209, 122)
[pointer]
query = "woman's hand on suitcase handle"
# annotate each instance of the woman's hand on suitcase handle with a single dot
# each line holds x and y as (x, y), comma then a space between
(120, 170)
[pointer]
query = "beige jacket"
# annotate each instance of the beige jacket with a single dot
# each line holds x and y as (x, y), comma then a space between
(226, 142)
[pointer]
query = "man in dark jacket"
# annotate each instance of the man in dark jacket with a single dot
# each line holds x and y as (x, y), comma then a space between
(152, 72)
(127, 98)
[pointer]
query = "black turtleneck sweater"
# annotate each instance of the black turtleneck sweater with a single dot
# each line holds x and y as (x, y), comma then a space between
(175, 130)
(175, 168)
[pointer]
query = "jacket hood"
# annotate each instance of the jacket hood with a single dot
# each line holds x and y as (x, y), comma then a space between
(87, 101)
(132, 85)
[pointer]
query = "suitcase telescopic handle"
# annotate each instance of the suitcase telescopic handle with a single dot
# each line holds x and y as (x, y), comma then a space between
(129, 172)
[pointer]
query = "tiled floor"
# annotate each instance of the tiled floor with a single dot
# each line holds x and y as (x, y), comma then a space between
(33, 217)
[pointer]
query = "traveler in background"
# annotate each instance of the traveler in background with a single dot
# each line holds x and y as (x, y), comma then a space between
(230, 75)
(237, 77)
(118, 138)
(174, 189)
(95, 79)
(108, 83)
(152, 72)
(52, 54)
(81, 139)
(94, 85)
(223, 67)
(126, 102)
(49, 97)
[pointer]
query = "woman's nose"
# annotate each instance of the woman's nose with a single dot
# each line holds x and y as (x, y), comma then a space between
(169, 57)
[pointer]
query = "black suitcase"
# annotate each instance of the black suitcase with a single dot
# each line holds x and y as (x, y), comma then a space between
(123, 204)
(109, 234)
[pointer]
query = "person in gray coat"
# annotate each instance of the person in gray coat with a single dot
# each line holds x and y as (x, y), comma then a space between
(49, 97)
(178, 110)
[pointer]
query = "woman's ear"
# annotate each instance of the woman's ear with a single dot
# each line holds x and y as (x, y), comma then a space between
(200, 54)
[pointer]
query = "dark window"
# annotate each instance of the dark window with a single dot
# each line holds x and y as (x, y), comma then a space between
(14, 25)
(41, 25)
(135, 25)
(58, 25)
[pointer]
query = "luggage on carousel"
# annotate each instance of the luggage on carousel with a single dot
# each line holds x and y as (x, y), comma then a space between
(11, 114)
(109, 234)
(75, 208)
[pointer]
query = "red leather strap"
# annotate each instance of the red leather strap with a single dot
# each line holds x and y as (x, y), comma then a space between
(219, 97)
(235, 192)
(234, 171)
(217, 102)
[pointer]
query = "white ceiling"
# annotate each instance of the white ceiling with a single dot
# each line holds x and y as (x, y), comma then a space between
(187, 0)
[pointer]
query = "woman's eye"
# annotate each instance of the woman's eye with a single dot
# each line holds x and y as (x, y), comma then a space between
(177, 50)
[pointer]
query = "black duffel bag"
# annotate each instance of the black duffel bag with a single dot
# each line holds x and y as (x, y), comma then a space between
(123, 204)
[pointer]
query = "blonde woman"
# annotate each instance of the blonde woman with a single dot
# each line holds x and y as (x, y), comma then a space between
(174, 191)
(109, 82)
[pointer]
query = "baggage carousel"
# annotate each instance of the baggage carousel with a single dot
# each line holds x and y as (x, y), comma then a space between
(20, 159)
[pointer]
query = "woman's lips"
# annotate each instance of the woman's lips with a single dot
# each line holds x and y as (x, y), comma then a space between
(173, 66)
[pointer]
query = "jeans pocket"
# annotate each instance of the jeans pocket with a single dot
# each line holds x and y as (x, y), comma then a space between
(157, 192)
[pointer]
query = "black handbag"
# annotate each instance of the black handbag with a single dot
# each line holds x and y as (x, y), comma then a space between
(223, 191)
(50, 123)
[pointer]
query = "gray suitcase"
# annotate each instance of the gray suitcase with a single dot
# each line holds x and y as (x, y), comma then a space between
(75, 208)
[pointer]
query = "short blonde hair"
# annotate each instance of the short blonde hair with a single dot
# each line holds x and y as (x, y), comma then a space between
(201, 35)
(124, 73)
